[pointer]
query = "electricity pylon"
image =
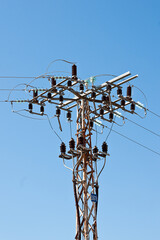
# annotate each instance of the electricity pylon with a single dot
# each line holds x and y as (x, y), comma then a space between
(91, 103)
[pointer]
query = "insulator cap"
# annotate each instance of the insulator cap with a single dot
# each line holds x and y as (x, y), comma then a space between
(68, 115)
(104, 147)
(80, 140)
(108, 88)
(74, 70)
(58, 111)
(111, 116)
(42, 109)
(63, 148)
(30, 106)
(61, 98)
(95, 149)
(101, 112)
(69, 83)
(119, 91)
(93, 95)
(122, 102)
(81, 87)
(49, 95)
(129, 91)
(72, 144)
(133, 106)
(91, 123)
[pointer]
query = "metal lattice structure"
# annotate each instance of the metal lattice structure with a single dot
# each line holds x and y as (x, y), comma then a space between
(93, 104)
(84, 179)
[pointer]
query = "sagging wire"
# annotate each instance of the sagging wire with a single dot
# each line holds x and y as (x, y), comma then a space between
(96, 135)
(144, 98)
(21, 84)
(98, 131)
(11, 89)
(56, 60)
(102, 168)
(40, 76)
(110, 129)
(143, 95)
(67, 166)
(18, 112)
(70, 128)
(140, 115)
(53, 129)
(105, 75)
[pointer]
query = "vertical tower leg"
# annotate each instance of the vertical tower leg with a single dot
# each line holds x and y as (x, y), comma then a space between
(84, 180)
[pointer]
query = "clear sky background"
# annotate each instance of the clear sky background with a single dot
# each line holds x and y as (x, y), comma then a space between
(36, 196)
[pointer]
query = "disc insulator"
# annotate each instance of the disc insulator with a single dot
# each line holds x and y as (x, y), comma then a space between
(53, 81)
(119, 91)
(74, 71)
(95, 149)
(129, 91)
(104, 147)
(30, 107)
(101, 112)
(122, 102)
(69, 115)
(58, 112)
(91, 123)
(63, 148)
(133, 107)
(69, 83)
(42, 109)
(110, 116)
(61, 98)
(49, 95)
(72, 144)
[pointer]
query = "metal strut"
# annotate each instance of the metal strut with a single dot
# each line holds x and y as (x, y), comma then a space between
(84, 178)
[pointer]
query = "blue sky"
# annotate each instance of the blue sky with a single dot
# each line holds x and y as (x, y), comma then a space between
(102, 37)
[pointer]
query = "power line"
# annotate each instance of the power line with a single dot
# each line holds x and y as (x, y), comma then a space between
(110, 130)
(156, 134)
(130, 139)
(12, 89)
(153, 113)
(14, 77)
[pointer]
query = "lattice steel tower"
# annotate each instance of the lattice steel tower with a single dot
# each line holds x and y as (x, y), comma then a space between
(91, 103)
